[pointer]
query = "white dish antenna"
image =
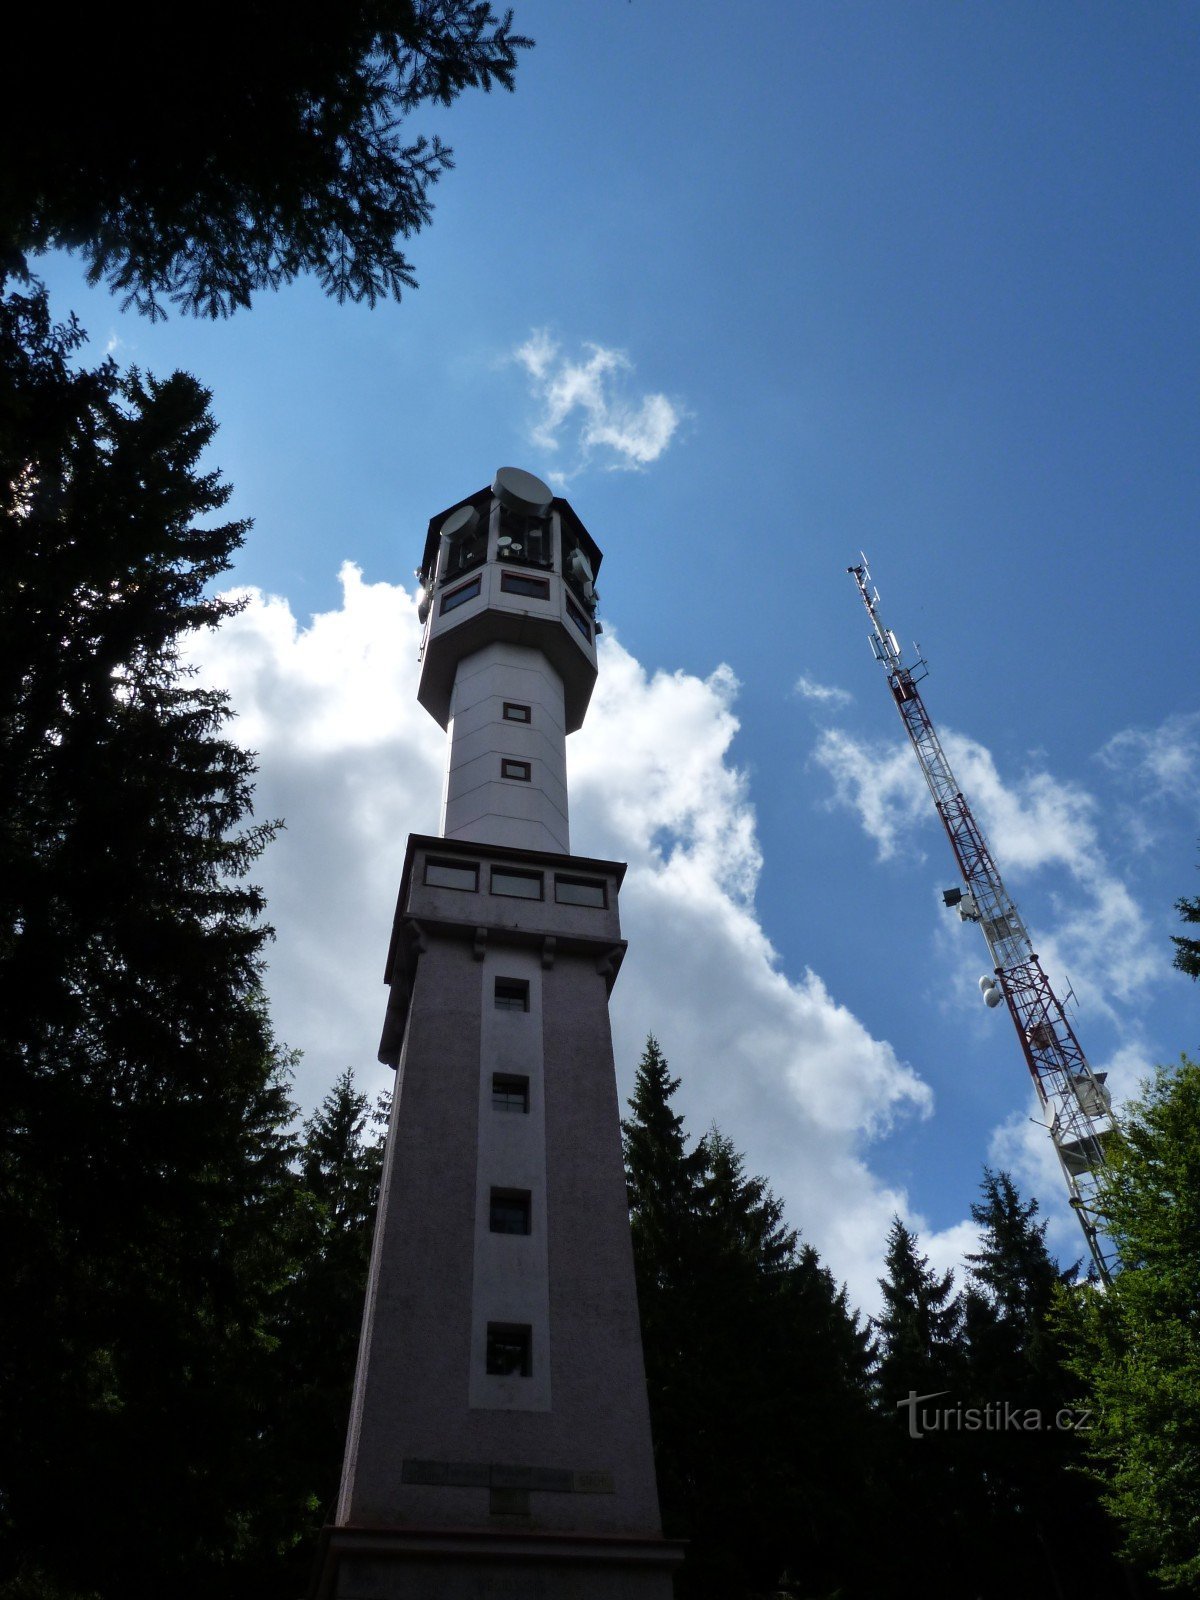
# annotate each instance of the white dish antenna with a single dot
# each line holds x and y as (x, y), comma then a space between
(991, 992)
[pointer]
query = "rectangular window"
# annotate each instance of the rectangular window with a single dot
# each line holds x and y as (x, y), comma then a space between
(517, 713)
(443, 874)
(510, 1093)
(581, 892)
(510, 1211)
(524, 539)
(458, 597)
(512, 994)
(520, 885)
(522, 771)
(509, 1349)
(519, 583)
(576, 616)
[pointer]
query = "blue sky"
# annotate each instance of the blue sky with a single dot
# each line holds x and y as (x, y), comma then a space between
(760, 287)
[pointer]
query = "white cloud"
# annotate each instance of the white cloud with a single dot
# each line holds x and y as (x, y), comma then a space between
(1100, 934)
(1039, 821)
(823, 694)
(949, 1248)
(881, 782)
(353, 763)
(582, 403)
(1163, 762)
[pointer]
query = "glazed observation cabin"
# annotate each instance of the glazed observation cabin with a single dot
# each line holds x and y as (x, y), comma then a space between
(511, 562)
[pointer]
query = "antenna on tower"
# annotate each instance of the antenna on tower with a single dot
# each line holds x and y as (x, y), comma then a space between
(1077, 1104)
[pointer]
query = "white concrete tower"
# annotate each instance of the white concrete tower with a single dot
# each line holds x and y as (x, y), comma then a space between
(499, 1440)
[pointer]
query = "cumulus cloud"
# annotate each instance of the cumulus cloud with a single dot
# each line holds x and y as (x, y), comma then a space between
(583, 404)
(1163, 762)
(948, 1249)
(353, 763)
(823, 694)
(1099, 933)
(880, 781)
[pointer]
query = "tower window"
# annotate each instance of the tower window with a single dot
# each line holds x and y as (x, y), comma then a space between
(522, 771)
(509, 1349)
(520, 885)
(458, 597)
(518, 583)
(512, 994)
(510, 1211)
(517, 713)
(581, 892)
(510, 1092)
(576, 616)
(443, 874)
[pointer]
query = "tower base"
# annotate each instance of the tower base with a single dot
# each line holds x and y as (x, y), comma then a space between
(465, 1564)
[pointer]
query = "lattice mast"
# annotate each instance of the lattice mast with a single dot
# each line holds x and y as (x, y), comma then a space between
(1076, 1104)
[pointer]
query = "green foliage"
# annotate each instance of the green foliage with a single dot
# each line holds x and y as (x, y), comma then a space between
(1023, 1483)
(756, 1368)
(919, 1335)
(1013, 1282)
(269, 145)
(318, 1316)
(982, 1480)
(919, 1329)
(144, 1167)
(1187, 951)
(1136, 1346)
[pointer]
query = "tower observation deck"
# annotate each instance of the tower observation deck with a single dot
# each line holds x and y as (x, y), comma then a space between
(499, 1439)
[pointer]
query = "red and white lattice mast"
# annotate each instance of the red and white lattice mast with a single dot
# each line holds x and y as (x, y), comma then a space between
(1076, 1104)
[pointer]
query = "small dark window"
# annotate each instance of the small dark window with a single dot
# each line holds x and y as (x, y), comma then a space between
(518, 583)
(520, 885)
(509, 1092)
(510, 1211)
(522, 771)
(576, 616)
(509, 1349)
(512, 994)
(443, 874)
(581, 892)
(517, 713)
(458, 597)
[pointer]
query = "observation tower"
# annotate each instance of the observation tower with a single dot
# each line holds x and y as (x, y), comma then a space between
(499, 1440)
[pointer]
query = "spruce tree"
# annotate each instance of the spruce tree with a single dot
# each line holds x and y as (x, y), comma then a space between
(318, 1317)
(1037, 1522)
(919, 1329)
(1135, 1348)
(756, 1369)
(1187, 950)
(920, 1380)
(145, 1191)
(663, 1178)
(266, 147)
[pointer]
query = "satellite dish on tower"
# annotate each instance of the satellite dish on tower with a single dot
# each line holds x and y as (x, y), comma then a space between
(460, 524)
(991, 992)
(521, 492)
